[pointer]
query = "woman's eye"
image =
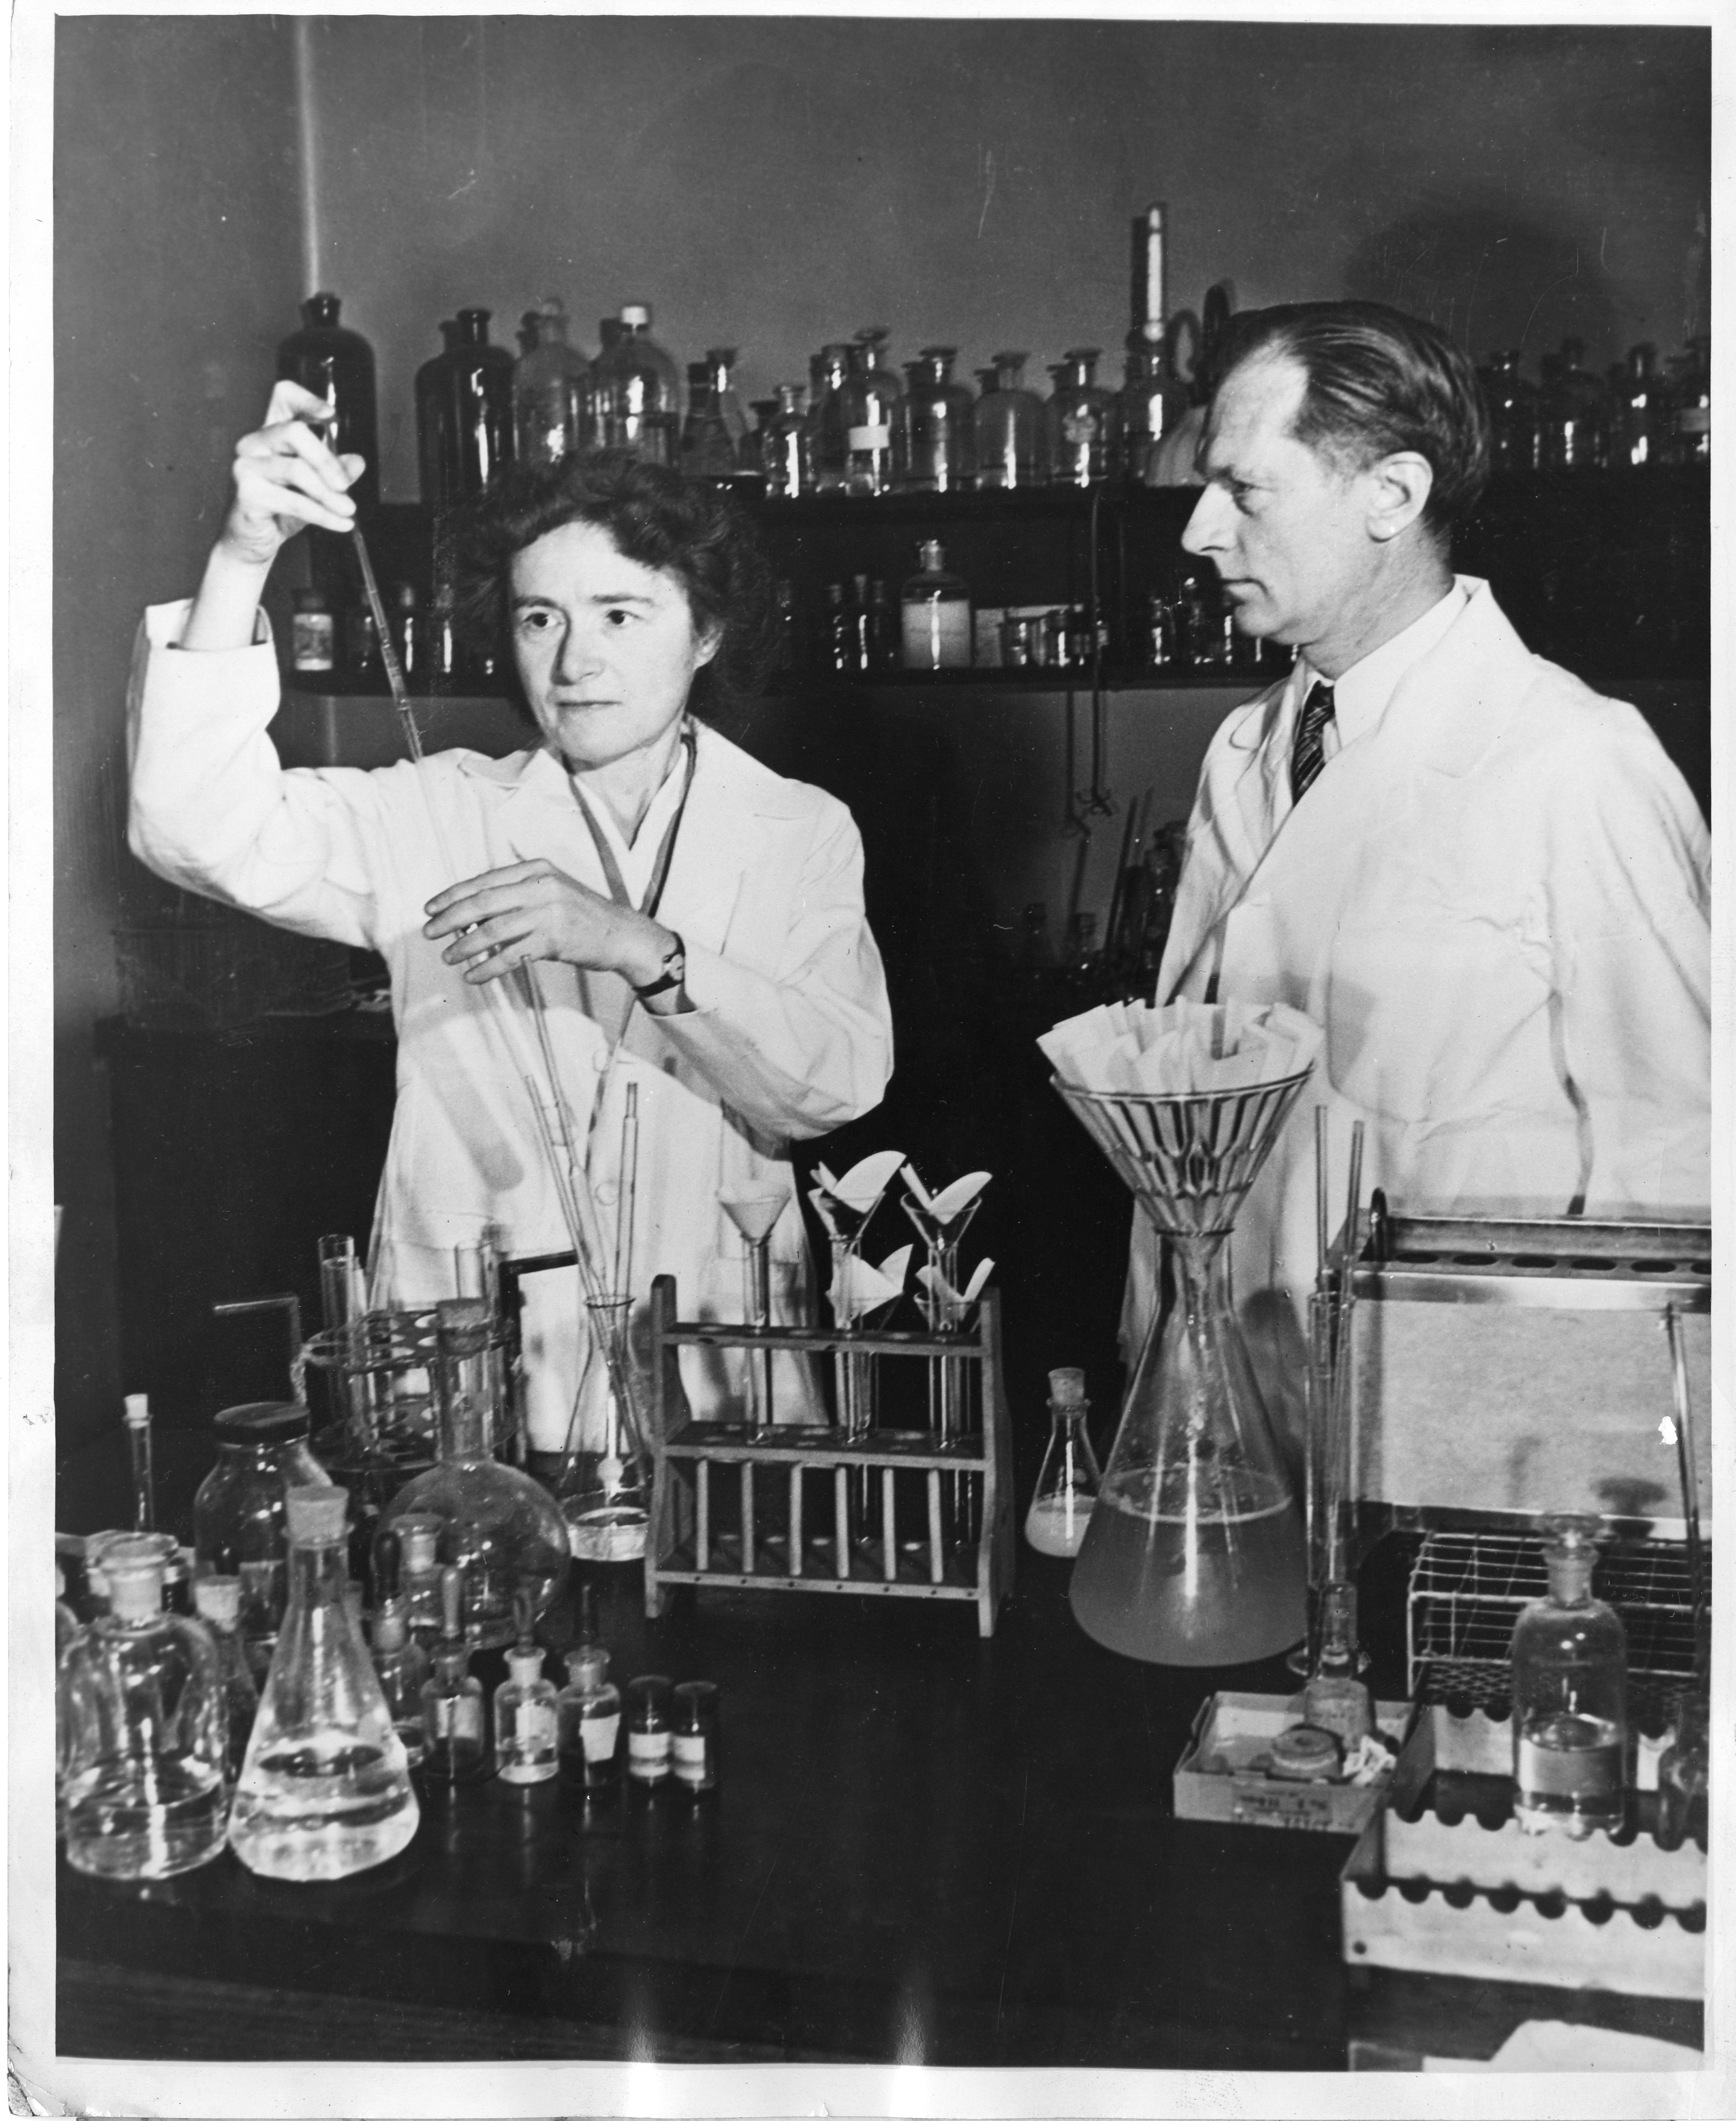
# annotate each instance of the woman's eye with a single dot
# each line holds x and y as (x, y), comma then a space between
(535, 622)
(618, 617)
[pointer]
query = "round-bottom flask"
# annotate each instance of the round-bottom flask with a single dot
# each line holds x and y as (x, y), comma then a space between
(1195, 1553)
(325, 1790)
(496, 1524)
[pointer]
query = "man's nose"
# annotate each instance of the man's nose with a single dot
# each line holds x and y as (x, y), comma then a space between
(1208, 528)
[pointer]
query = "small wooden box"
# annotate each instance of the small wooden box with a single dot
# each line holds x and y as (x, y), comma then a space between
(1241, 1725)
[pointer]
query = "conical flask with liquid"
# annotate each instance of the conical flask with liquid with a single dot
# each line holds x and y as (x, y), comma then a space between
(604, 1488)
(1195, 1553)
(324, 1791)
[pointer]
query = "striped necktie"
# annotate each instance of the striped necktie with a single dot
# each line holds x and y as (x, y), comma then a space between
(1307, 755)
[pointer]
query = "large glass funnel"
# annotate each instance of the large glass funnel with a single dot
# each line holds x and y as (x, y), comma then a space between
(1195, 1553)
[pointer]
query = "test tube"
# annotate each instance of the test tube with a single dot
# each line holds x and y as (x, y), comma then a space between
(144, 1483)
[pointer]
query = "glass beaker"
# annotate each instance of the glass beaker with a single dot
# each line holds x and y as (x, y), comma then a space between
(1068, 1485)
(1195, 1553)
(604, 1489)
(325, 1789)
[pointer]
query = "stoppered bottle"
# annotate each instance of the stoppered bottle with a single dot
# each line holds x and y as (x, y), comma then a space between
(525, 1733)
(454, 1742)
(143, 1779)
(1570, 1693)
(935, 608)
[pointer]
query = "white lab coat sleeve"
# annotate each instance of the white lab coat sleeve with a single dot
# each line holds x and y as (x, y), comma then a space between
(212, 810)
(803, 1049)
(1626, 904)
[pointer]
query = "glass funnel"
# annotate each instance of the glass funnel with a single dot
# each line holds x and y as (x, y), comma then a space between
(604, 1488)
(755, 1215)
(1195, 1553)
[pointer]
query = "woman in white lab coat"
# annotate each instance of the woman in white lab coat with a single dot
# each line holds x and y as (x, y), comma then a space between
(693, 921)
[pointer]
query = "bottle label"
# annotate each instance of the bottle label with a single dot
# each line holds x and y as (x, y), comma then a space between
(647, 1755)
(937, 634)
(1579, 1774)
(693, 1757)
(1694, 420)
(452, 1718)
(871, 438)
(598, 1734)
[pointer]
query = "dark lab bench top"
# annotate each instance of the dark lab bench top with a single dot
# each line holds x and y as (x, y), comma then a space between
(926, 1848)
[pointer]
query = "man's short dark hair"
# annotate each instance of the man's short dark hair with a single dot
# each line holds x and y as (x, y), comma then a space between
(681, 527)
(1378, 382)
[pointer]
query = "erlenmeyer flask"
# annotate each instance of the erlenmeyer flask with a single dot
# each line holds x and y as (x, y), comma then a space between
(325, 1789)
(605, 1486)
(1195, 1553)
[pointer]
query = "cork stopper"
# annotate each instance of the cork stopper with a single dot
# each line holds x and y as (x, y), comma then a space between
(218, 1599)
(1066, 1387)
(137, 1409)
(316, 1515)
(587, 1666)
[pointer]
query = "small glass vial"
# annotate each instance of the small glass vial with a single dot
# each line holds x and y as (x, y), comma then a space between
(525, 1729)
(783, 446)
(455, 1745)
(840, 632)
(649, 1738)
(588, 1711)
(936, 616)
(1334, 1698)
(695, 1748)
(1066, 1487)
(313, 634)
(400, 1660)
(1569, 1695)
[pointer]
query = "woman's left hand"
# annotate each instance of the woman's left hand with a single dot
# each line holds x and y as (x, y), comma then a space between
(509, 917)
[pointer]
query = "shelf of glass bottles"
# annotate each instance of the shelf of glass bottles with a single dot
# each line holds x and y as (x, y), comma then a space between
(796, 1508)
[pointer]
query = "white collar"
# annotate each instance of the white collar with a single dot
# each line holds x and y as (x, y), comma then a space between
(1362, 694)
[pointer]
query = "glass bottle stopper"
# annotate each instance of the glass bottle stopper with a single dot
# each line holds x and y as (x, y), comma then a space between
(933, 558)
(421, 1535)
(218, 1599)
(1067, 1388)
(316, 1515)
(135, 1580)
(636, 315)
(136, 1409)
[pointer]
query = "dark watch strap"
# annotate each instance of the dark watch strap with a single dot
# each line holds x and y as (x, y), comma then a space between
(670, 974)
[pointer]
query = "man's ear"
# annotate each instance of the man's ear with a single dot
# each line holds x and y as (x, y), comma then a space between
(1400, 487)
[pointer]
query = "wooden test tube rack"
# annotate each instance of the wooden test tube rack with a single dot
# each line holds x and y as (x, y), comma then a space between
(777, 1547)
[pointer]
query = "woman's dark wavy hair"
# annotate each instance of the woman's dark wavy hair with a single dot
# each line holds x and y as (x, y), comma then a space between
(1378, 382)
(699, 533)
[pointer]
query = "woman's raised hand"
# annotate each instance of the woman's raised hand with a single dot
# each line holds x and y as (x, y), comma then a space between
(285, 477)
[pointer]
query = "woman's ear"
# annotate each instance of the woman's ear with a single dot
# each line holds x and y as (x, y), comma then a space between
(707, 642)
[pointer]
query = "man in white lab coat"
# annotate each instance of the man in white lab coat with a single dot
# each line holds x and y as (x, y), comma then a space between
(1488, 883)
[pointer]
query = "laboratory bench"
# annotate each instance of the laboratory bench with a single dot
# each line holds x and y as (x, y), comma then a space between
(926, 1848)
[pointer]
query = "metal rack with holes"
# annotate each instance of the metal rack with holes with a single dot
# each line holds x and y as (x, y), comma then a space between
(732, 1505)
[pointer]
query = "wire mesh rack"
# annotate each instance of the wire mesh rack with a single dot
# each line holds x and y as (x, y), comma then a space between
(1468, 1588)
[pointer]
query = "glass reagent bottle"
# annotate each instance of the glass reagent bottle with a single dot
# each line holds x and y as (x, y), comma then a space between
(1569, 1695)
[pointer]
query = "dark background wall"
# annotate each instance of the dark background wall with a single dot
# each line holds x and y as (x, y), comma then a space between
(772, 183)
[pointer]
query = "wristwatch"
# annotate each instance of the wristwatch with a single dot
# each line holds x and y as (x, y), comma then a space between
(670, 973)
